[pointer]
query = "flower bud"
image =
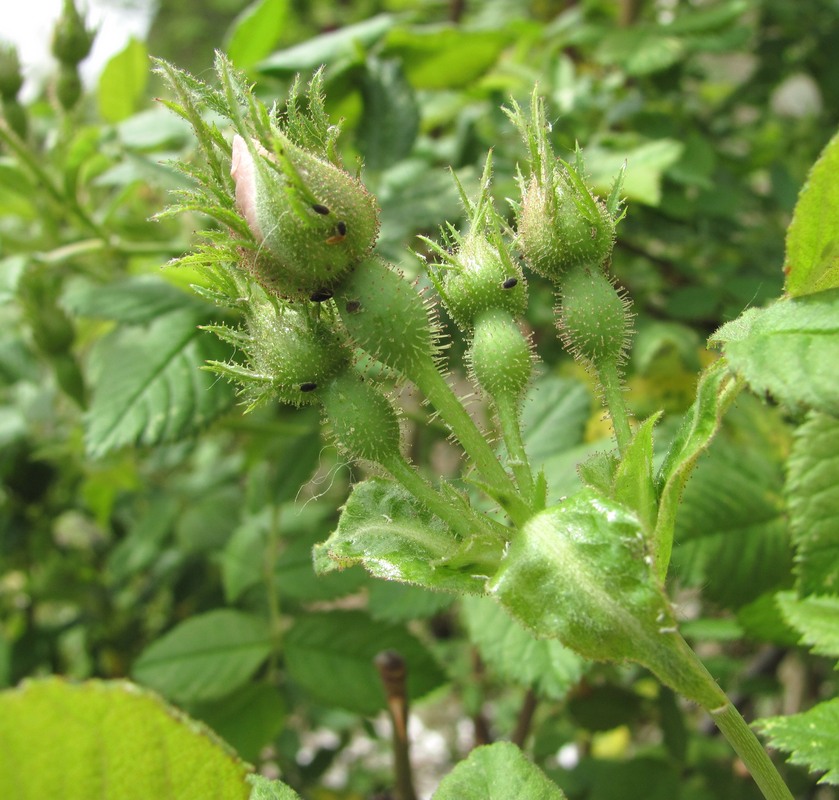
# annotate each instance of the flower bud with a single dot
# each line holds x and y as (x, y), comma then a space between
(68, 86)
(71, 40)
(312, 220)
(561, 225)
(291, 355)
(11, 78)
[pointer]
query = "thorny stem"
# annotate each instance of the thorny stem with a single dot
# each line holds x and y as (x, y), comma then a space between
(610, 381)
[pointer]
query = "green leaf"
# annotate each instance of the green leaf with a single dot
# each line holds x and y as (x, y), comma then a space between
(514, 655)
(328, 48)
(640, 50)
(206, 657)
(385, 529)
(266, 789)
(816, 618)
(390, 121)
(248, 719)
(633, 483)
(731, 525)
(580, 572)
(109, 740)
(812, 738)
(255, 31)
(788, 350)
(713, 395)
(148, 387)
(645, 166)
(813, 497)
(388, 601)
(811, 263)
(497, 771)
(331, 656)
(122, 84)
(428, 54)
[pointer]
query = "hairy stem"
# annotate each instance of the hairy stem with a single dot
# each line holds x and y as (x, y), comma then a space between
(432, 384)
(613, 391)
(518, 462)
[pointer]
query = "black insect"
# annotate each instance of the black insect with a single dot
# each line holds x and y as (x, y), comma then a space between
(509, 283)
(341, 228)
(353, 306)
(320, 296)
(319, 209)
(308, 386)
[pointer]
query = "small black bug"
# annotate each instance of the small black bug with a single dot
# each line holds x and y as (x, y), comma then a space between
(308, 386)
(353, 306)
(341, 227)
(320, 296)
(319, 209)
(509, 283)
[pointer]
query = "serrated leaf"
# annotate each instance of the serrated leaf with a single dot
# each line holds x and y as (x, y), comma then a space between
(816, 618)
(123, 82)
(811, 263)
(813, 496)
(513, 654)
(328, 48)
(255, 31)
(390, 119)
(109, 740)
(713, 395)
(385, 529)
(497, 771)
(149, 388)
(788, 350)
(266, 789)
(731, 525)
(812, 738)
(331, 656)
(206, 657)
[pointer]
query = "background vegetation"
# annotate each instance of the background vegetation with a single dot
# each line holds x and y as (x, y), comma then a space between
(149, 529)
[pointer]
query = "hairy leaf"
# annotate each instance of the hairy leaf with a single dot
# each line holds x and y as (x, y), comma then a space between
(514, 655)
(148, 387)
(331, 656)
(386, 530)
(206, 657)
(108, 740)
(788, 350)
(812, 738)
(497, 771)
(812, 258)
(266, 789)
(813, 497)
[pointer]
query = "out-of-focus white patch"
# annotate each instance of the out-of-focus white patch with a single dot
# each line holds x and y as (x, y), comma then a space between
(796, 96)
(30, 30)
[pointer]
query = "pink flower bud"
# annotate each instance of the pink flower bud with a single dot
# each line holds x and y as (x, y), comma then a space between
(314, 221)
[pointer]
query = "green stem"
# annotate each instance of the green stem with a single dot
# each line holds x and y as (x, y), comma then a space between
(432, 384)
(518, 461)
(742, 738)
(612, 389)
(677, 665)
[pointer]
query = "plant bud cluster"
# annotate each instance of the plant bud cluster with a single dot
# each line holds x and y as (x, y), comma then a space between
(72, 41)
